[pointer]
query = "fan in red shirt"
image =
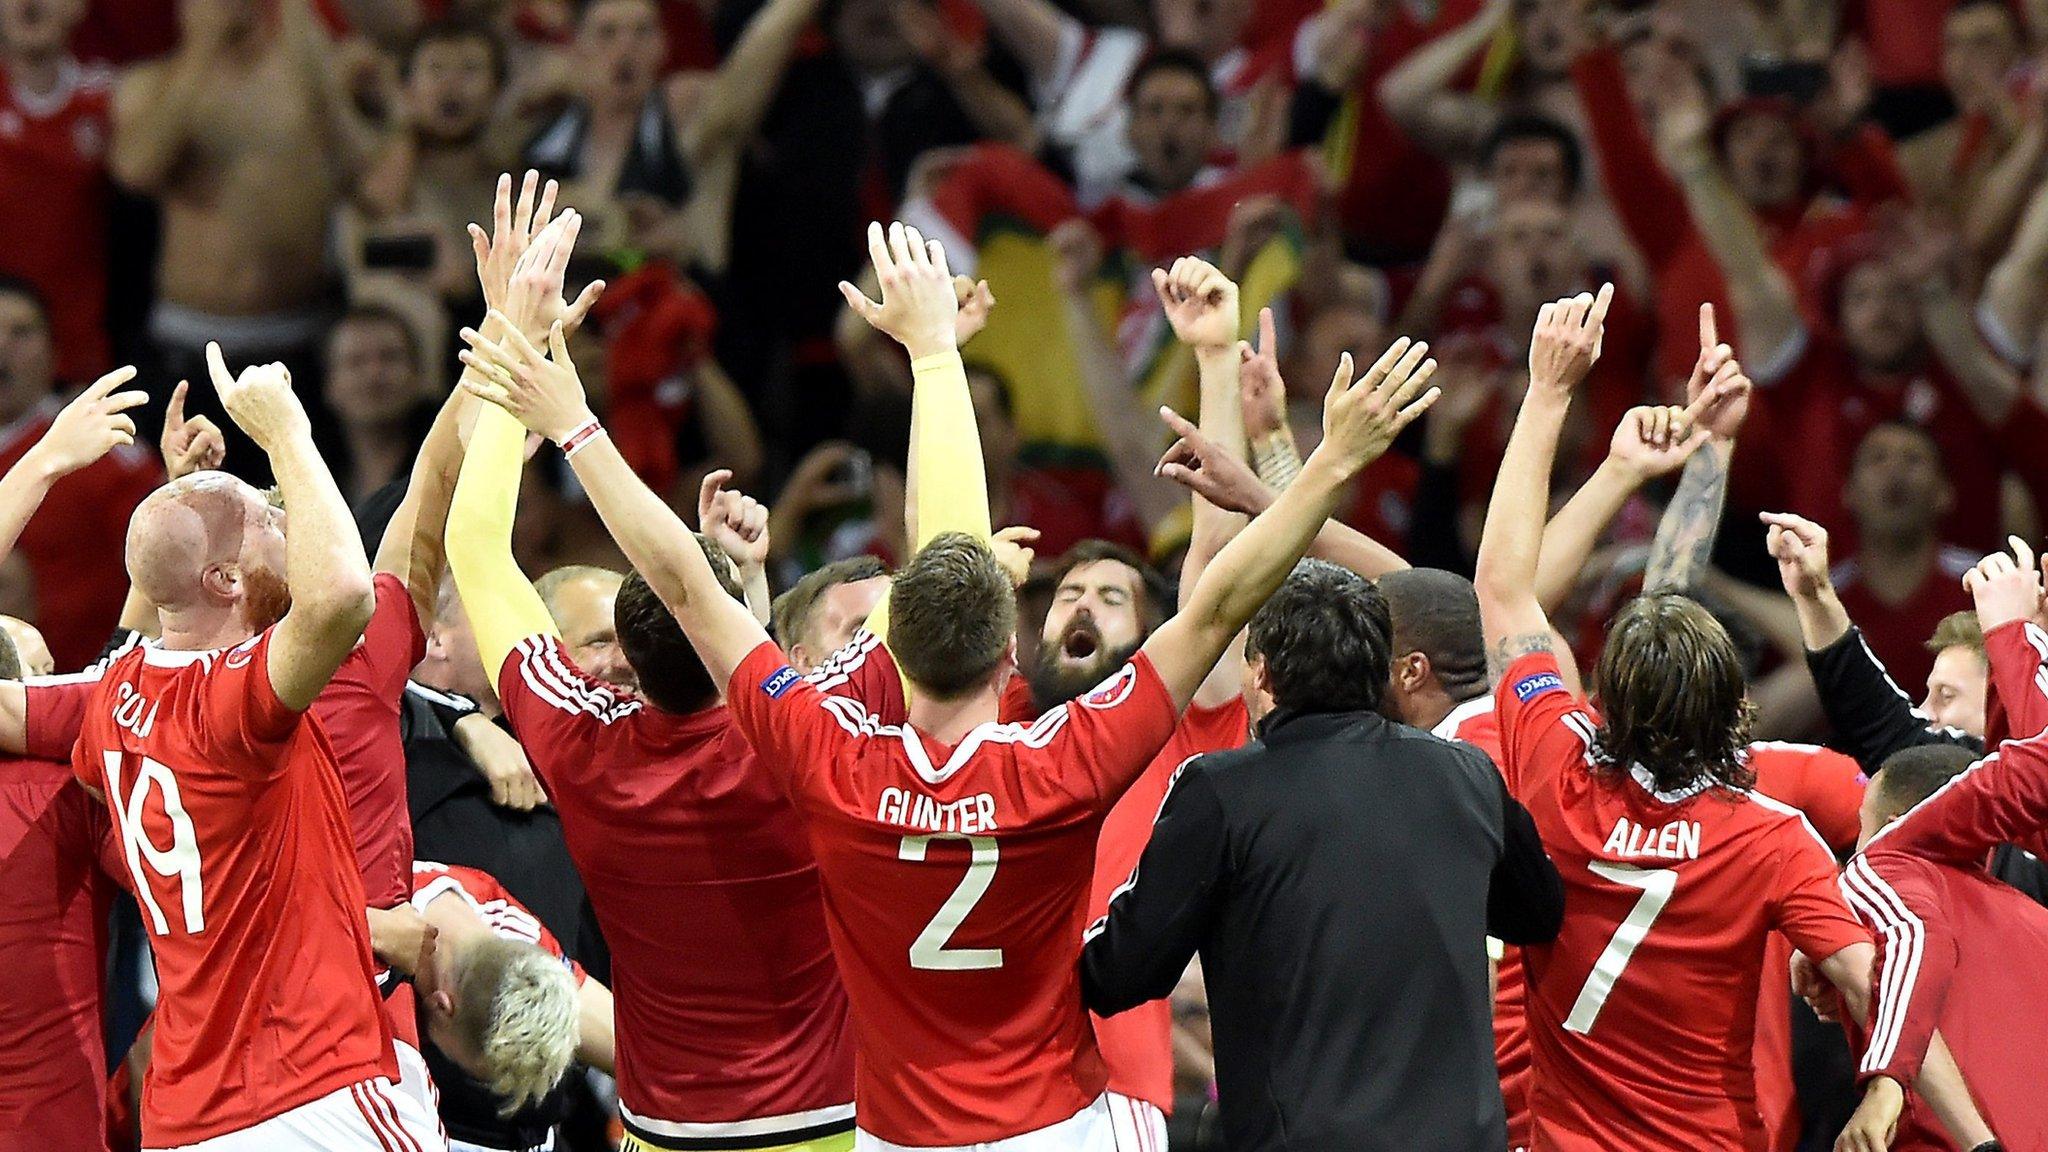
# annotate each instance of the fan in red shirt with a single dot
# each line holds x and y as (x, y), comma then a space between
(230, 811)
(73, 546)
(1962, 953)
(956, 852)
(55, 118)
(1642, 1013)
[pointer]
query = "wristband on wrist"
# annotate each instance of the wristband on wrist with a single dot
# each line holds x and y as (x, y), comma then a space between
(579, 438)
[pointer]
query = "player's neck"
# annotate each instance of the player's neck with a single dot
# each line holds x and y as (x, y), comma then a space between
(949, 721)
(202, 629)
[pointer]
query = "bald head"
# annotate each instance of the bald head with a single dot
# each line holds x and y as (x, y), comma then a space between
(202, 541)
(31, 650)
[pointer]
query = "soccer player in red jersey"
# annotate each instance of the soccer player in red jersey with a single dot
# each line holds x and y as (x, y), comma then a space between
(740, 1039)
(230, 811)
(955, 852)
(1642, 1012)
(1960, 951)
(505, 1009)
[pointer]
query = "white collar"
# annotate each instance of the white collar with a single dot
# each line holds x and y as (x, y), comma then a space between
(1641, 775)
(1447, 728)
(157, 657)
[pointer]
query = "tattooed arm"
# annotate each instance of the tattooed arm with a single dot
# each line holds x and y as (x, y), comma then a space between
(1685, 536)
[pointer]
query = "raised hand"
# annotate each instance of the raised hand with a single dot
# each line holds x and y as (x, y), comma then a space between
(192, 444)
(260, 401)
(1076, 254)
(1655, 440)
(1718, 391)
(1361, 420)
(2006, 587)
(1196, 463)
(1013, 550)
(1200, 302)
(976, 302)
(737, 522)
(1566, 343)
(533, 297)
(1262, 394)
(918, 308)
(544, 392)
(92, 425)
(1801, 549)
(514, 228)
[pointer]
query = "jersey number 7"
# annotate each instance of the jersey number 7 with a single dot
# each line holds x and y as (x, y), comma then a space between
(929, 950)
(1657, 884)
(179, 861)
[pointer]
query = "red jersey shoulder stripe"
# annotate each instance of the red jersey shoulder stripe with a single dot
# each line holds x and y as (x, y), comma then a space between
(1905, 938)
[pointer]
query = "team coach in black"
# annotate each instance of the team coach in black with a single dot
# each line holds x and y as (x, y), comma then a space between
(1339, 876)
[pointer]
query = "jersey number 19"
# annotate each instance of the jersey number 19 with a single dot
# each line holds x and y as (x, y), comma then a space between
(180, 861)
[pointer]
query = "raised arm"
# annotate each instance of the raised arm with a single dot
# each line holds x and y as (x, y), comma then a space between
(1418, 93)
(325, 569)
(1036, 33)
(156, 105)
(1766, 308)
(545, 394)
(1562, 352)
(2016, 293)
(1684, 547)
(1359, 423)
(1112, 400)
(1643, 449)
(89, 427)
(731, 106)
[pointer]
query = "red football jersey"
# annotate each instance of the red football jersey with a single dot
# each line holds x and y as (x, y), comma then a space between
(498, 909)
(730, 1007)
(359, 712)
(1643, 1012)
(956, 887)
(54, 841)
(53, 170)
(235, 834)
(1827, 787)
(1475, 722)
(1137, 1046)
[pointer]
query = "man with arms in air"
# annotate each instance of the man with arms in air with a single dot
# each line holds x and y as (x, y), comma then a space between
(1642, 1012)
(228, 807)
(955, 851)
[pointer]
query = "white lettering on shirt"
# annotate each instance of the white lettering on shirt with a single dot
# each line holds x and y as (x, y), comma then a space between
(133, 711)
(967, 815)
(1678, 840)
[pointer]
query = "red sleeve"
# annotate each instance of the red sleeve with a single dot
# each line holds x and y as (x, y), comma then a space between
(1000, 180)
(795, 728)
(1543, 727)
(392, 642)
(865, 673)
(1650, 203)
(2016, 702)
(53, 713)
(1105, 738)
(242, 724)
(1916, 956)
(1806, 896)
(557, 710)
(1821, 782)
(2000, 799)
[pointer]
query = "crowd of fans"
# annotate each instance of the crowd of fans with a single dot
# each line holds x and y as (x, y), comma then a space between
(1850, 196)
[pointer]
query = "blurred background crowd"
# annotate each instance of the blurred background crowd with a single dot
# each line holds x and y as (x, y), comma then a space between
(1856, 184)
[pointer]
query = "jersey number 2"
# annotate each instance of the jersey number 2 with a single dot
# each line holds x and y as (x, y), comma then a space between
(1657, 884)
(180, 861)
(929, 950)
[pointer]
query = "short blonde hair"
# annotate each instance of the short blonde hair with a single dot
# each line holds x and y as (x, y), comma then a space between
(1957, 630)
(516, 1012)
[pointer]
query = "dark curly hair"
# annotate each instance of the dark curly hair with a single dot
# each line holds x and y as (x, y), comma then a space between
(1327, 638)
(1672, 697)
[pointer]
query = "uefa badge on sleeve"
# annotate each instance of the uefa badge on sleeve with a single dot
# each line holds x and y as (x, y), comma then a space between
(782, 681)
(1113, 691)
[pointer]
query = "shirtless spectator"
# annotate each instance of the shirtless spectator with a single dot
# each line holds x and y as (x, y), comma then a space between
(245, 139)
(1976, 169)
(53, 170)
(405, 243)
(74, 544)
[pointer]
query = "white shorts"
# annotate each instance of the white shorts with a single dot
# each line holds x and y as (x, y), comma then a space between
(1139, 1124)
(1089, 1130)
(367, 1116)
